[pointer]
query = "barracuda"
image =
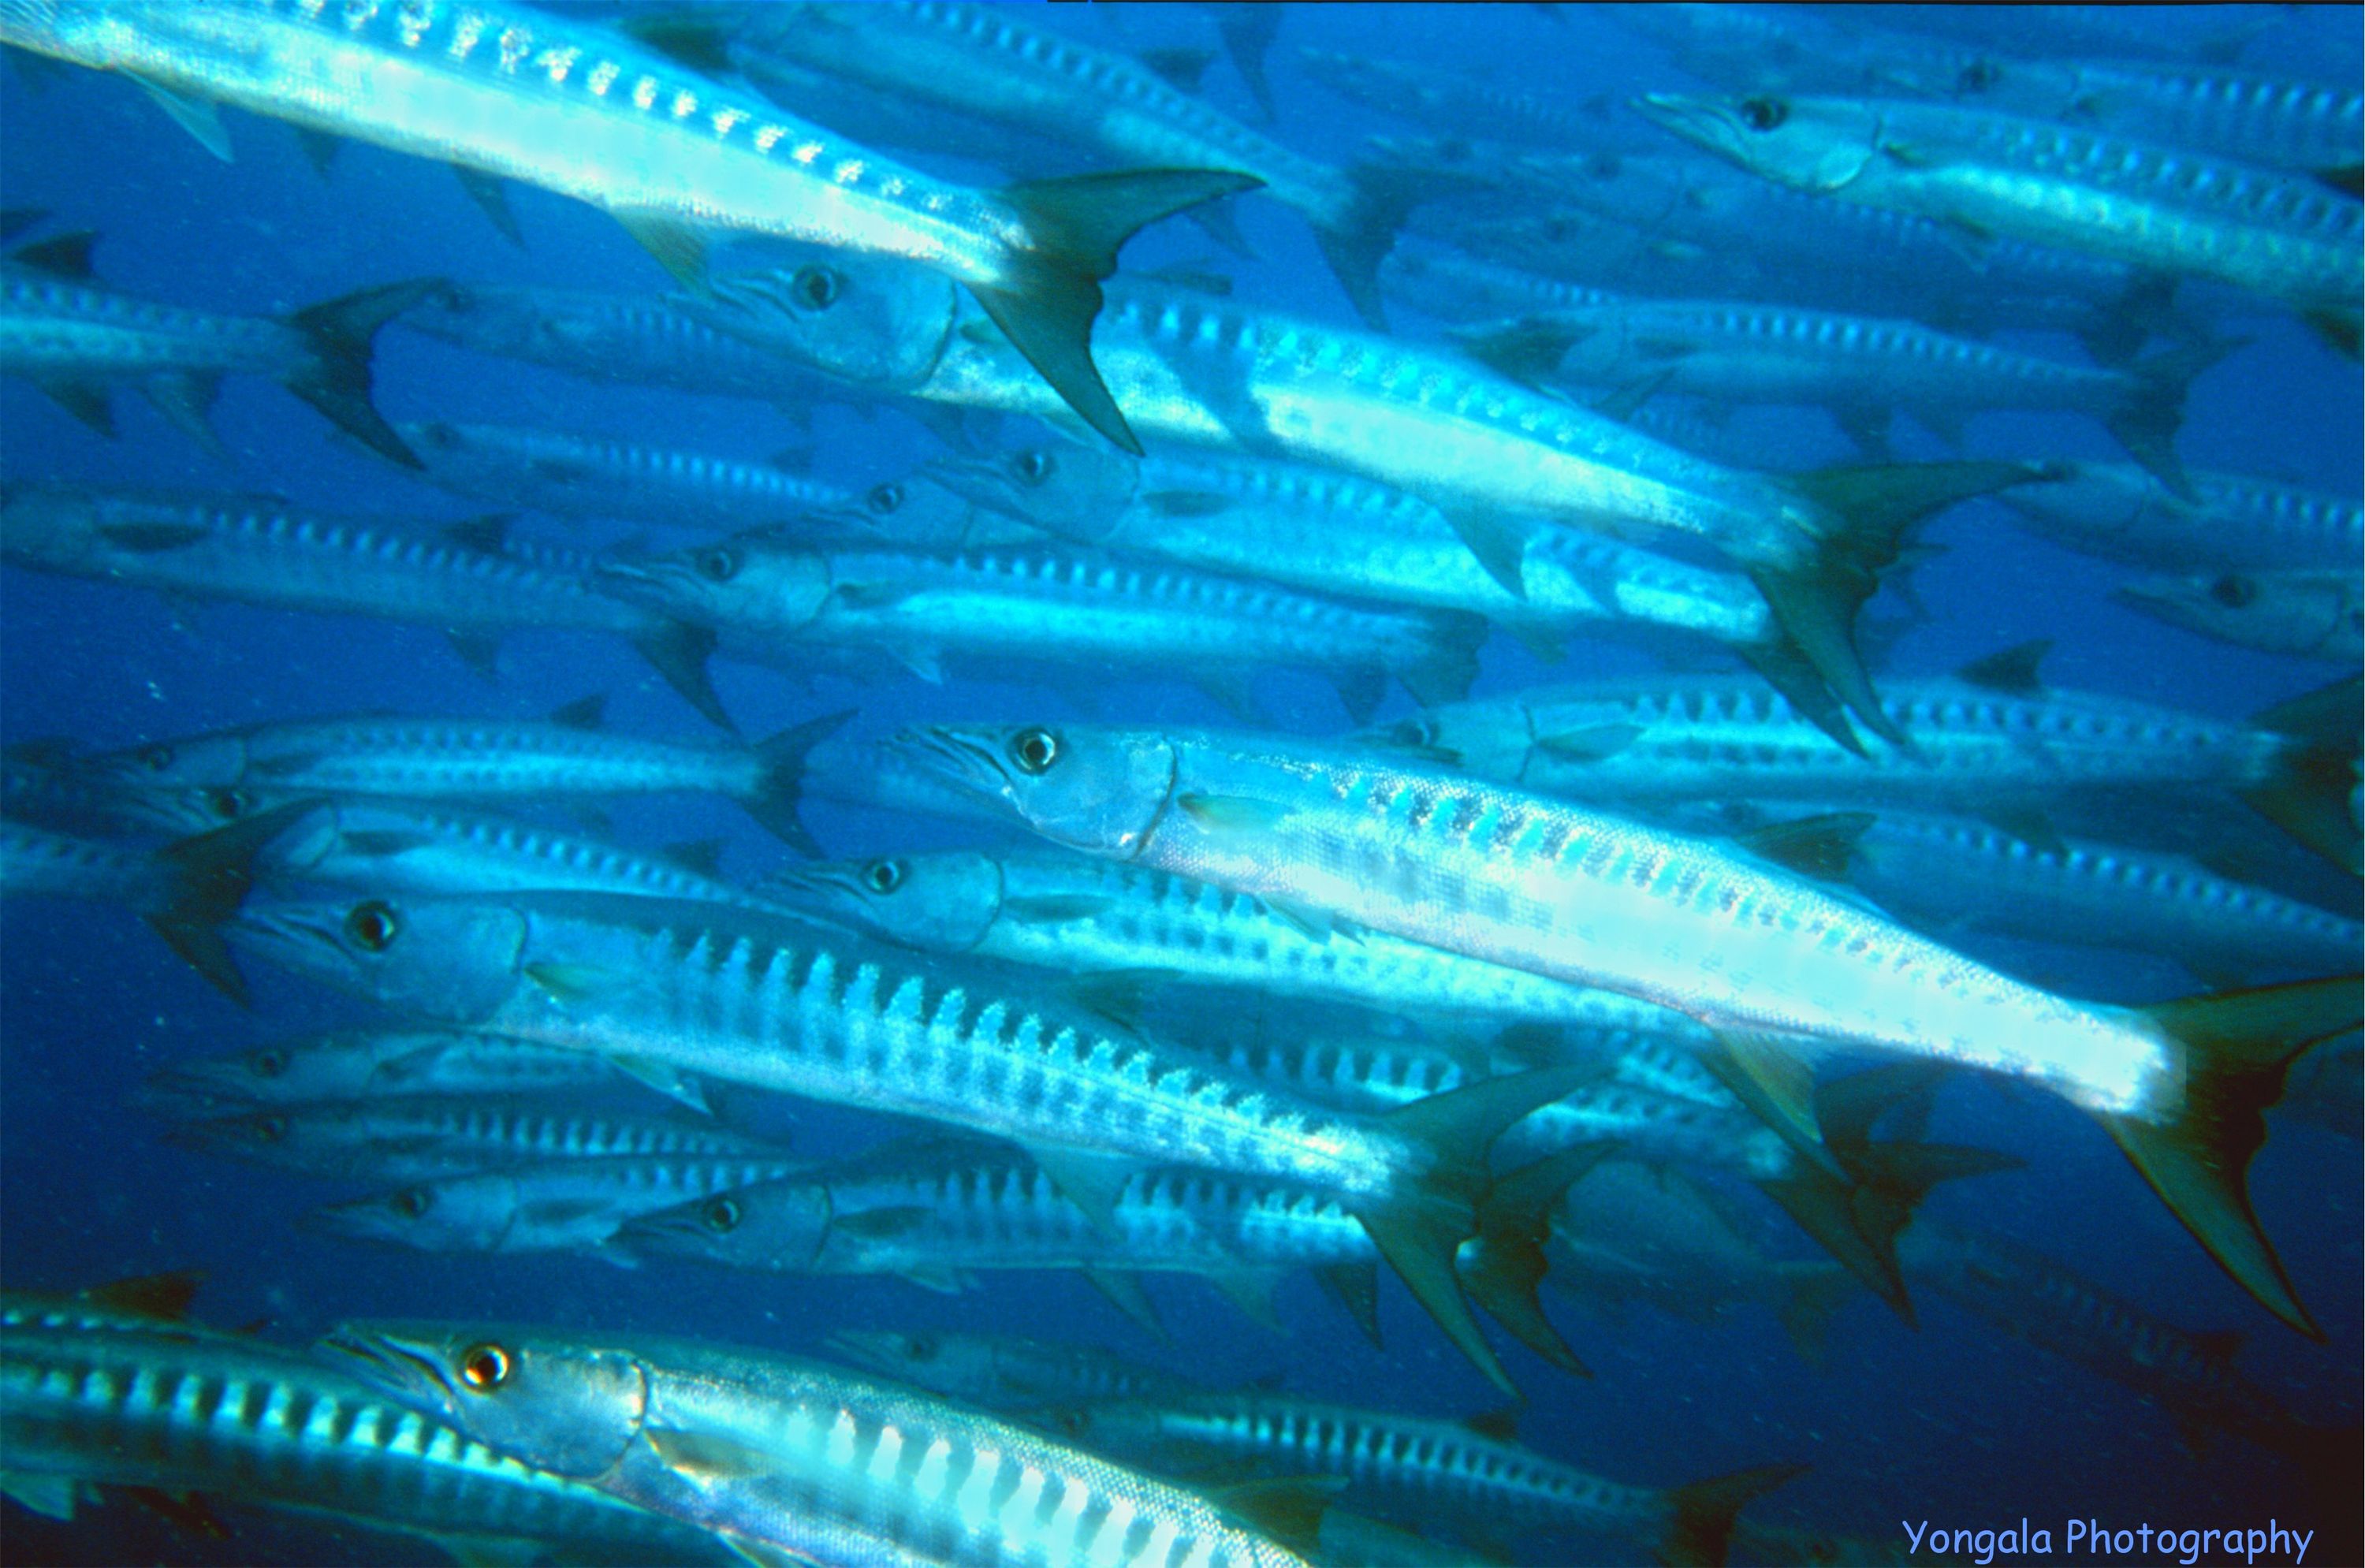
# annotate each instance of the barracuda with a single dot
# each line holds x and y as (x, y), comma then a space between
(1949, 874)
(384, 1066)
(1417, 1465)
(418, 849)
(988, 609)
(792, 1457)
(1334, 533)
(566, 756)
(1003, 1371)
(1772, 962)
(1992, 741)
(639, 339)
(91, 1395)
(999, 67)
(2310, 615)
(74, 339)
(936, 1216)
(567, 1206)
(2248, 116)
(1861, 368)
(424, 1139)
(2284, 236)
(1450, 102)
(578, 476)
(1081, 916)
(2120, 513)
(811, 1011)
(1494, 457)
(580, 110)
(184, 890)
(463, 578)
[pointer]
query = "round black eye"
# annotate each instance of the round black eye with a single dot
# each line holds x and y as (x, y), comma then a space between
(157, 758)
(1764, 114)
(268, 1064)
(411, 1202)
(372, 926)
(884, 498)
(271, 1129)
(1979, 76)
(1034, 750)
(484, 1367)
(440, 436)
(228, 805)
(719, 564)
(883, 876)
(2234, 592)
(922, 1348)
(1036, 465)
(723, 1215)
(816, 288)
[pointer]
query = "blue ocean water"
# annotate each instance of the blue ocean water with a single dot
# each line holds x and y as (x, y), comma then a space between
(1952, 1423)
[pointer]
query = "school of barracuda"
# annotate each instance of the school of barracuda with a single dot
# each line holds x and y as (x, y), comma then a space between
(1656, 981)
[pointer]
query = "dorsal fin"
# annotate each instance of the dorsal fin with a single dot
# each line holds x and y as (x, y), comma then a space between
(488, 534)
(583, 713)
(1180, 69)
(704, 855)
(149, 1296)
(63, 256)
(2013, 671)
(1817, 846)
(2218, 1346)
(1501, 1424)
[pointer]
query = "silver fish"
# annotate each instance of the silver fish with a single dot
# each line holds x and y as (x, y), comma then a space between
(2309, 615)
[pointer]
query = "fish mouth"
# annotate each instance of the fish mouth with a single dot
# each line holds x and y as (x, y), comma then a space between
(1695, 120)
(978, 480)
(381, 1360)
(298, 937)
(957, 758)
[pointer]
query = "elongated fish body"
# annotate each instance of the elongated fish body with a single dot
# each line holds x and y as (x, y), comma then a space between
(1454, 286)
(428, 1138)
(2190, 1375)
(1004, 1369)
(2308, 615)
(853, 1471)
(2120, 513)
(934, 1217)
(1736, 352)
(638, 340)
(1075, 914)
(822, 1013)
(1406, 1461)
(74, 339)
(37, 862)
(576, 476)
(384, 1066)
(1952, 873)
(1520, 879)
(2247, 116)
(2281, 235)
(260, 551)
(1046, 604)
(568, 1206)
(1661, 739)
(437, 759)
(420, 849)
(89, 1394)
(1454, 104)
(1334, 533)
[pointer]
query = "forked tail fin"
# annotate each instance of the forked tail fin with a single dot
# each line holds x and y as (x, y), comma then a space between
(335, 379)
(1503, 1270)
(2308, 793)
(781, 784)
(211, 875)
(1078, 224)
(2146, 423)
(2237, 1046)
(1701, 1531)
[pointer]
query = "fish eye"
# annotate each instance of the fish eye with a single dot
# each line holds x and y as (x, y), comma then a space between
(439, 435)
(484, 1367)
(1764, 114)
(269, 1129)
(718, 565)
(922, 1348)
(884, 498)
(1034, 751)
(412, 1202)
(1979, 76)
(372, 926)
(2234, 590)
(228, 804)
(1035, 464)
(156, 759)
(816, 288)
(883, 876)
(268, 1063)
(1416, 732)
(723, 1215)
